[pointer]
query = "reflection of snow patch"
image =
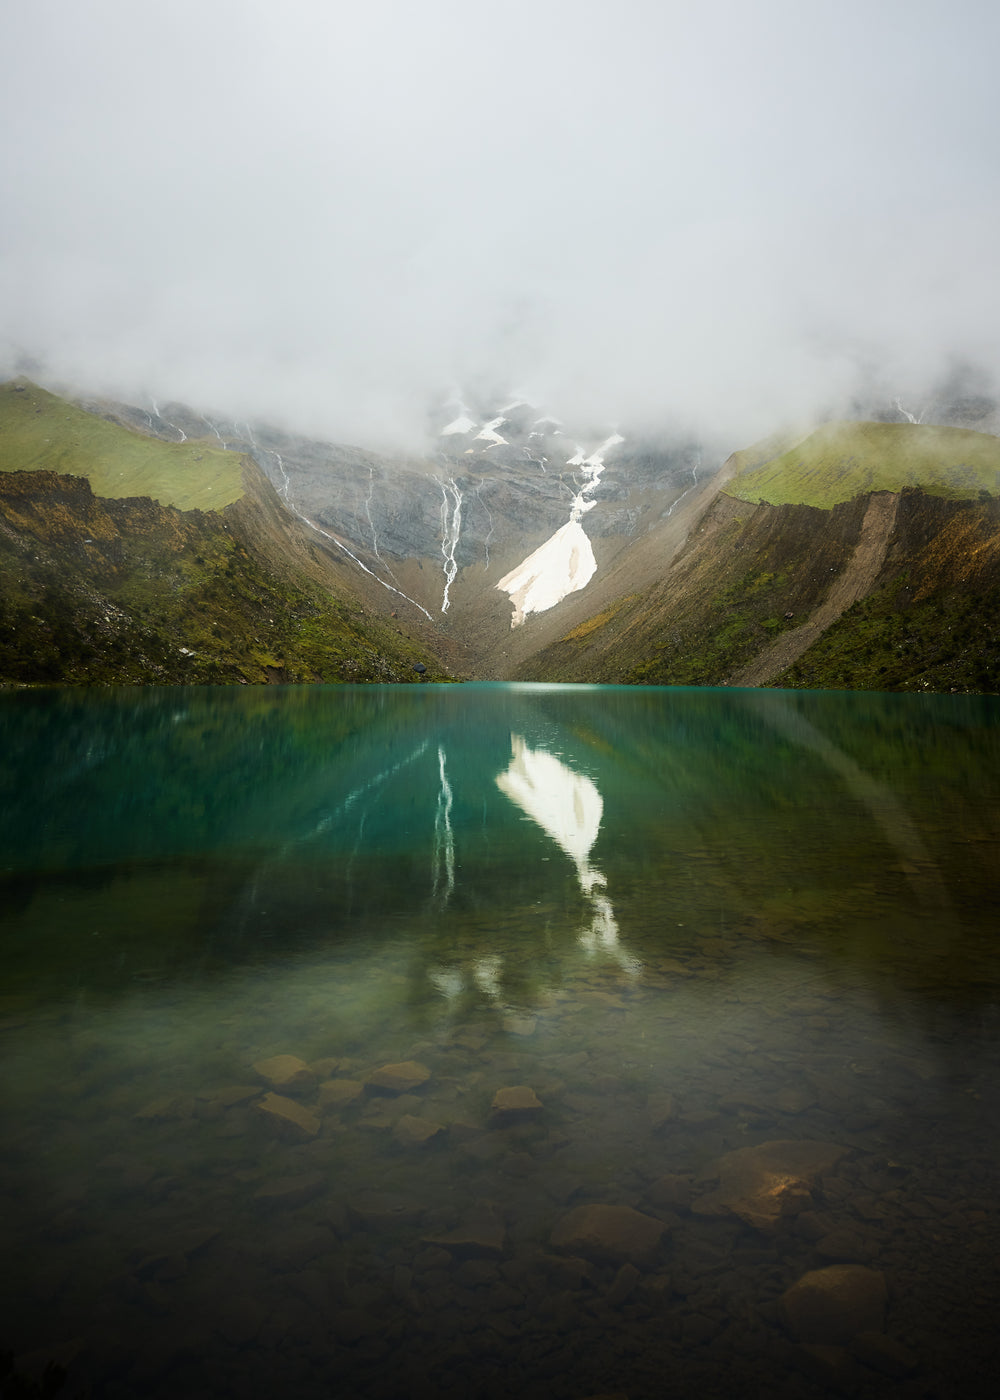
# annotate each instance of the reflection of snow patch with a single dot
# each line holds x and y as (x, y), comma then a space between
(564, 564)
(569, 808)
(448, 980)
(487, 973)
(565, 804)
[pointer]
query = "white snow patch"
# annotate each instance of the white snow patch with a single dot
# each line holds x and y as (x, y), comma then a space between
(489, 433)
(564, 564)
(459, 425)
(596, 458)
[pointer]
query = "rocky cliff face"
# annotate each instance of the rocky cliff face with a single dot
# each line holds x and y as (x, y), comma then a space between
(437, 532)
(864, 554)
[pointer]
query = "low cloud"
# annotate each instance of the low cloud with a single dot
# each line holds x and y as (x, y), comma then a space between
(714, 217)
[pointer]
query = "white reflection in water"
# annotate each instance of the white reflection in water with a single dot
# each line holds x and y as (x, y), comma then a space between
(568, 807)
(443, 855)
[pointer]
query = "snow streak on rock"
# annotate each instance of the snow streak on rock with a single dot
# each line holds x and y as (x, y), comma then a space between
(451, 529)
(565, 563)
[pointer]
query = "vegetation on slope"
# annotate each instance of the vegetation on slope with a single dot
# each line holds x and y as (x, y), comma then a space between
(747, 575)
(844, 460)
(114, 589)
(934, 621)
(39, 431)
(764, 555)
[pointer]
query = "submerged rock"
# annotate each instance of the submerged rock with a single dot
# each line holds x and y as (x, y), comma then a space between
(609, 1234)
(380, 1210)
(829, 1307)
(513, 1104)
(883, 1354)
(416, 1132)
(338, 1093)
(166, 1107)
(289, 1115)
(482, 1236)
(291, 1190)
(400, 1078)
(286, 1072)
(765, 1184)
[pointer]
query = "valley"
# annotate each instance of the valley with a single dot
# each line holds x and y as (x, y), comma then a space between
(165, 546)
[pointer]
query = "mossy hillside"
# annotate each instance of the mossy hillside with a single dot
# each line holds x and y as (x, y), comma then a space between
(128, 592)
(39, 431)
(844, 460)
(749, 574)
(933, 624)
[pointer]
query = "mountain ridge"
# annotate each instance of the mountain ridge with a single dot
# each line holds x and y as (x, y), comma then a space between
(800, 561)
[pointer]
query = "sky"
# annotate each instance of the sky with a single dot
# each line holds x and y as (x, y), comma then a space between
(707, 215)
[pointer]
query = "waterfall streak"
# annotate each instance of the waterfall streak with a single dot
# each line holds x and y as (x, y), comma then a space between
(183, 434)
(489, 516)
(451, 529)
(368, 512)
(340, 545)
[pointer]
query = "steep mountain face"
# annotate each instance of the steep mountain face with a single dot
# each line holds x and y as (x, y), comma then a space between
(864, 554)
(121, 587)
(867, 556)
(438, 535)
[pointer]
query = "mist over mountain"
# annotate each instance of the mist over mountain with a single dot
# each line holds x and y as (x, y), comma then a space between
(685, 221)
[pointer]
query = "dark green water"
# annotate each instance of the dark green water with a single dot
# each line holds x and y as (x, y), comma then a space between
(691, 922)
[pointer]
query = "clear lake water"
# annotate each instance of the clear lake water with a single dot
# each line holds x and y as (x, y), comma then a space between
(489, 1040)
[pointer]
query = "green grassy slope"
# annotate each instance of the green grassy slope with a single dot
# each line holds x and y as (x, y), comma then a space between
(843, 460)
(128, 592)
(39, 431)
(99, 583)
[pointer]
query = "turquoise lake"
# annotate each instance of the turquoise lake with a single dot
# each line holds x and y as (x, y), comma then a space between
(486, 1040)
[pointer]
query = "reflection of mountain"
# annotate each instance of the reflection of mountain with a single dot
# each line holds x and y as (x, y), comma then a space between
(569, 808)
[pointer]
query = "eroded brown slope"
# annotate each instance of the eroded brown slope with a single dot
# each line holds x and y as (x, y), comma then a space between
(856, 581)
(885, 591)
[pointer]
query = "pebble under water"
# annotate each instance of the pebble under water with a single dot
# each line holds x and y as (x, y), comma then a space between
(474, 1041)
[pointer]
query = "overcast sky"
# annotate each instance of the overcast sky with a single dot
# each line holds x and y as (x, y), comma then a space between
(717, 213)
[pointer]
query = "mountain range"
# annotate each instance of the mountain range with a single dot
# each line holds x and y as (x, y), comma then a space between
(160, 545)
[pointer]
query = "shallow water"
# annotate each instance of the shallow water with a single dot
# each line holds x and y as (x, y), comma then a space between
(690, 922)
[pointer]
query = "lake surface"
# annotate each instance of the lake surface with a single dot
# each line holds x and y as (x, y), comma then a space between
(492, 1040)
